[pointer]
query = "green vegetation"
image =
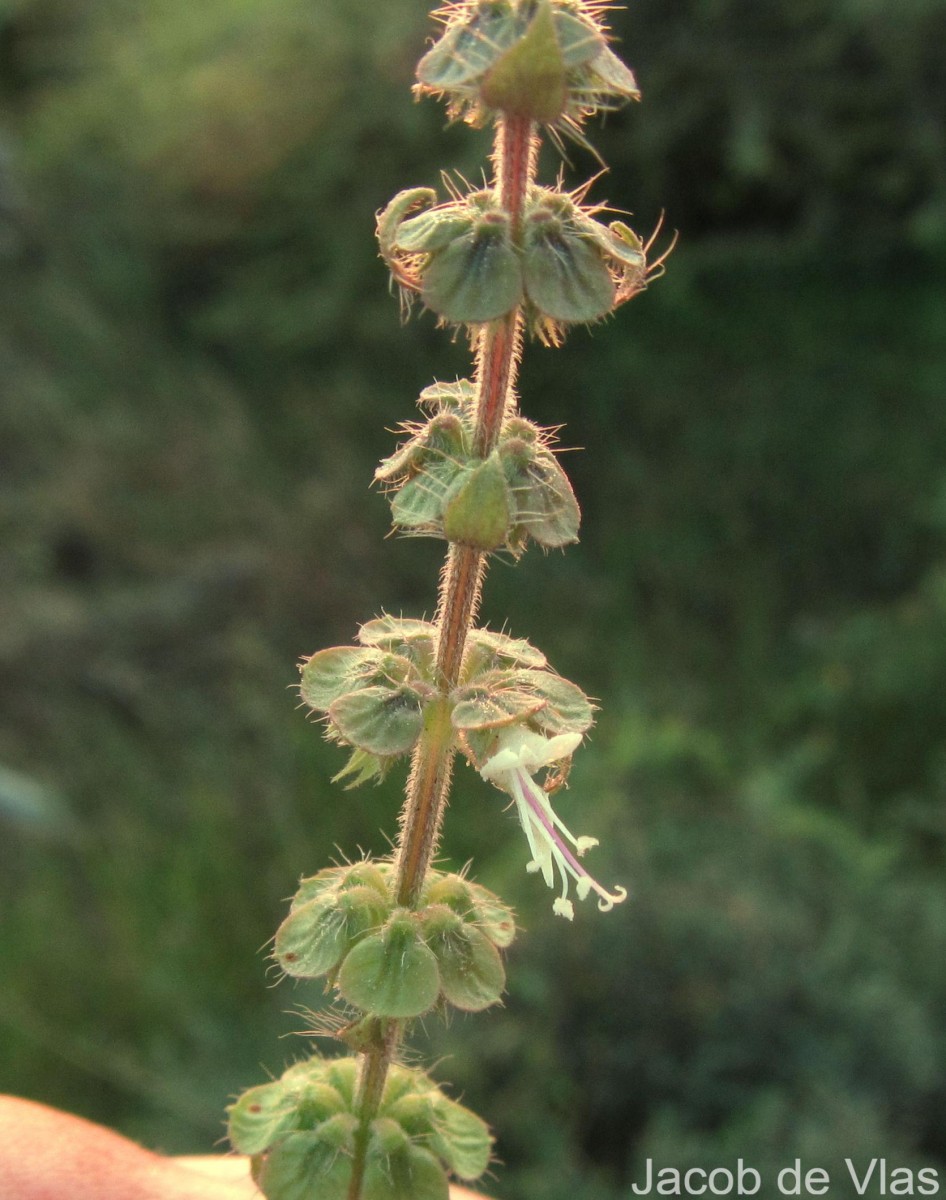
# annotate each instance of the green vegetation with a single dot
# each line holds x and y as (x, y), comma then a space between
(190, 286)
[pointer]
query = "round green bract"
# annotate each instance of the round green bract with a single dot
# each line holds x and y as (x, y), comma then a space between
(304, 1165)
(390, 974)
(333, 672)
(513, 650)
(481, 708)
(476, 278)
(389, 631)
(260, 1117)
(432, 230)
(461, 1139)
(467, 50)
(546, 507)
(380, 720)
(567, 710)
(566, 278)
(419, 503)
(471, 972)
(312, 939)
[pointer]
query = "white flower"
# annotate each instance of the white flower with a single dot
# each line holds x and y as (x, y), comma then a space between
(521, 753)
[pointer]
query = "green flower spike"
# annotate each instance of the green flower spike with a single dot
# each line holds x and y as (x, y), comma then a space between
(394, 940)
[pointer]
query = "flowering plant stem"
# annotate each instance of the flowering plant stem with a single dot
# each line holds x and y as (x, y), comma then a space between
(499, 346)
(397, 938)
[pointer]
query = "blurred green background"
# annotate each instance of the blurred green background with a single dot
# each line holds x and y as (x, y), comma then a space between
(200, 366)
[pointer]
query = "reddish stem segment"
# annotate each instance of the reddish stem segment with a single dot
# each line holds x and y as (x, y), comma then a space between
(515, 156)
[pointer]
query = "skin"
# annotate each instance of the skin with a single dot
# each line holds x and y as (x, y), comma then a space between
(50, 1155)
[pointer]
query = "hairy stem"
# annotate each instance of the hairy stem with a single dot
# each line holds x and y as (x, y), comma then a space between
(498, 347)
(371, 1087)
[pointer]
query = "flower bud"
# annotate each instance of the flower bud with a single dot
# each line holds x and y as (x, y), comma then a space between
(387, 1136)
(266, 1113)
(544, 504)
(368, 874)
(412, 1110)
(476, 507)
(528, 79)
(548, 62)
(433, 230)
(478, 907)
(410, 1173)
(314, 938)
(493, 917)
(315, 886)
(418, 504)
(458, 396)
(450, 890)
(471, 972)
(341, 1073)
(443, 437)
(391, 220)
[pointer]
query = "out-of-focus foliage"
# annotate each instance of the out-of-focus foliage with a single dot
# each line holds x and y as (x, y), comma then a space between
(197, 361)
(821, 118)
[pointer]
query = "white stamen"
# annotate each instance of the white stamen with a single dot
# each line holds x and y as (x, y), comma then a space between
(521, 753)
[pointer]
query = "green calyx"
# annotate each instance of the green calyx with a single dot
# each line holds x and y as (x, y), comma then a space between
(469, 265)
(300, 1131)
(547, 60)
(391, 962)
(377, 696)
(441, 488)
